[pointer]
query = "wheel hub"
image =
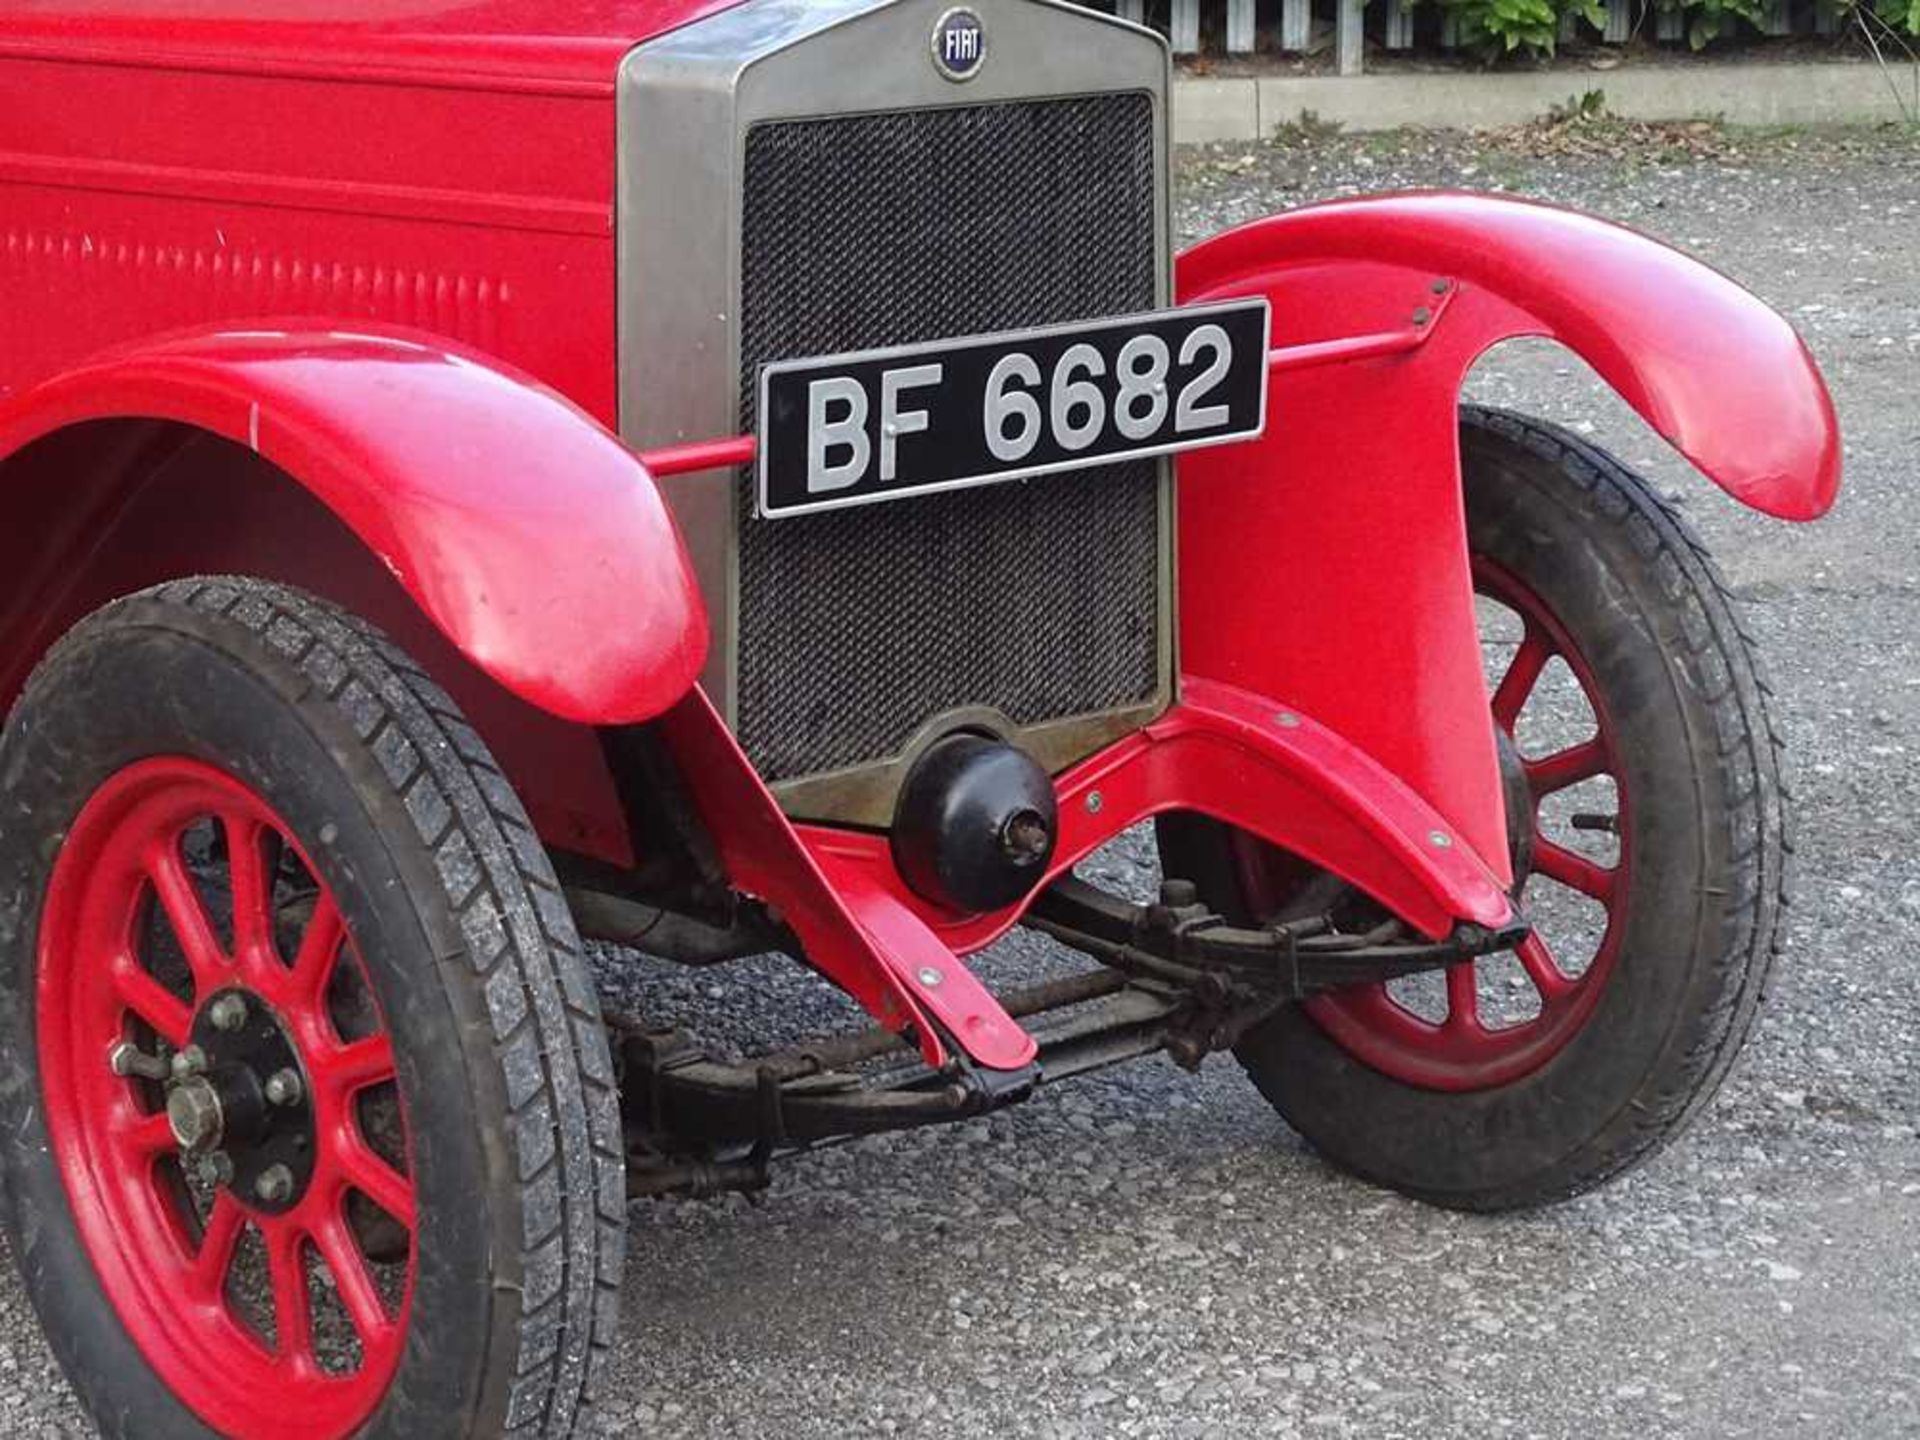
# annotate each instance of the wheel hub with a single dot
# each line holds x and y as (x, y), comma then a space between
(239, 1097)
(216, 1020)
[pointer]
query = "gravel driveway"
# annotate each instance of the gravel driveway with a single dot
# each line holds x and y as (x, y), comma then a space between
(1152, 1254)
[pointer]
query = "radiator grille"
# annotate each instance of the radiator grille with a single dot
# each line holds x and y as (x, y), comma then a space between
(1040, 598)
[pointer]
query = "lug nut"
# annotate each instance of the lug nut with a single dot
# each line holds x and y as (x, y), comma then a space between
(275, 1185)
(195, 1115)
(129, 1059)
(219, 1168)
(190, 1061)
(283, 1088)
(228, 1013)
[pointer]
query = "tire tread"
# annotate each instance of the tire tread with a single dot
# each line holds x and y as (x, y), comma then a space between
(528, 962)
(1580, 1120)
(1749, 752)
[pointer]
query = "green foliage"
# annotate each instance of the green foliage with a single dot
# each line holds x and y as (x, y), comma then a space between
(1588, 106)
(1708, 20)
(1504, 27)
(1902, 17)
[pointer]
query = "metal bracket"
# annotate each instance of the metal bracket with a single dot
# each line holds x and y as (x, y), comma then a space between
(1421, 324)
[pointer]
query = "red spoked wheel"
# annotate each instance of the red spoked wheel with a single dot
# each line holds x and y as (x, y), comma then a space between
(1458, 1041)
(1644, 804)
(307, 1117)
(222, 1100)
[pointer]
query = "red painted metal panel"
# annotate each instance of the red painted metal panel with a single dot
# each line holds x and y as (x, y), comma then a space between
(1719, 374)
(365, 167)
(535, 541)
(854, 928)
(1327, 561)
(134, 201)
(1260, 764)
(315, 143)
(550, 45)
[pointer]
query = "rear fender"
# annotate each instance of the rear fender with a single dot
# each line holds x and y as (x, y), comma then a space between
(531, 537)
(1327, 561)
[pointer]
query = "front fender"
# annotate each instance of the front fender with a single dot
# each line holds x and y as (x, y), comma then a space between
(529, 535)
(1327, 561)
(1715, 371)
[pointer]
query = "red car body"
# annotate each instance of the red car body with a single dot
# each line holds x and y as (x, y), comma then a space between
(417, 330)
(436, 310)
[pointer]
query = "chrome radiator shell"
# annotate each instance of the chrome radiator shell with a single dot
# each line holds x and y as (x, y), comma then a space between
(751, 117)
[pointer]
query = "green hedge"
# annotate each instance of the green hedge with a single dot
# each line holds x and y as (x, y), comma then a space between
(1500, 27)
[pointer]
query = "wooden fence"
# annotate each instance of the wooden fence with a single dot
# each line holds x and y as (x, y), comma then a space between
(1301, 27)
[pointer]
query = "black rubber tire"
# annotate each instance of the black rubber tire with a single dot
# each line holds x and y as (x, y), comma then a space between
(503, 1061)
(1680, 678)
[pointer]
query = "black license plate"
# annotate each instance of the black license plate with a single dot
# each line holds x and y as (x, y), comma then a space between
(887, 424)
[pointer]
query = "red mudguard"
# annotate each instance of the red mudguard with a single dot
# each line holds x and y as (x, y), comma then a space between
(1327, 562)
(526, 532)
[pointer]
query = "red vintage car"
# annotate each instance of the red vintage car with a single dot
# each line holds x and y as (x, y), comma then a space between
(480, 475)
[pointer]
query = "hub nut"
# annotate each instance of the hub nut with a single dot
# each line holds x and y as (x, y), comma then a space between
(194, 1115)
(228, 1013)
(283, 1088)
(275, 1185)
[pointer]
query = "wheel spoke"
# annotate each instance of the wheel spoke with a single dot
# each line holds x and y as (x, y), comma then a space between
(352, 1281)
(1576, 872)
(254, 1265)
(1478, 1046)
(363, 1170)
(292, 1307)
(1523, 673)
(218, 1241)
(250, 868)
(319, 950)
(1566, 767)
(149, 1136)
(1548, 978)
(1463, 997)
(180, 902)
(357, 1064)
(165, 1013)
